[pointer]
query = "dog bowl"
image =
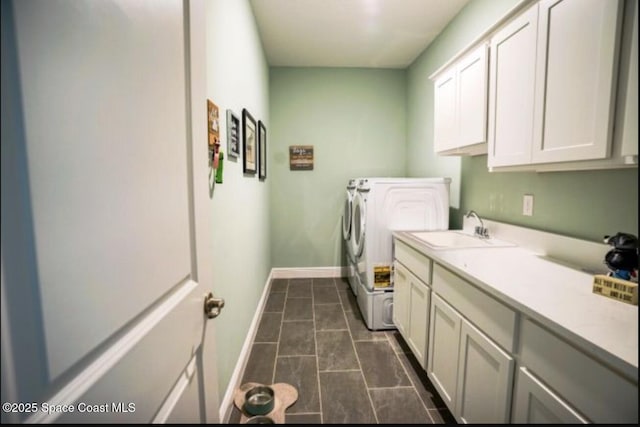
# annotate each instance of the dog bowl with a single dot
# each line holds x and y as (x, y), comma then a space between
(259, 400)
(260, 419)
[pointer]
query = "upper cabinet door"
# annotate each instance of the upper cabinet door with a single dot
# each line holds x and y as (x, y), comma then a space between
(460, 106)
(445, 121)
(472, 79)
(511, 96)
(575, 79)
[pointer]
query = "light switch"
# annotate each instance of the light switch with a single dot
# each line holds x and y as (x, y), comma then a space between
(527, 205)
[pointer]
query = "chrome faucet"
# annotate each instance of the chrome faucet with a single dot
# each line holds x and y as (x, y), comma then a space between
(479, 230)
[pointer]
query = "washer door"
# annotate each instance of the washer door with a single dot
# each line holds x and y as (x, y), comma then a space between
(346, 216)
(358, 225)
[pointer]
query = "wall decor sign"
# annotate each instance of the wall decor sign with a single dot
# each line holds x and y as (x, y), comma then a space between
(262, 150)
(213, 130)
(301, 157)
(249, 140)
(213, 123)
(233, 134)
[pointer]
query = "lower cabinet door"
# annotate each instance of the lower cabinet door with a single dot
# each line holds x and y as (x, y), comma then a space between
(419, 297)
(535, 403)
(485, 379)
(401, 299)
(444, 345)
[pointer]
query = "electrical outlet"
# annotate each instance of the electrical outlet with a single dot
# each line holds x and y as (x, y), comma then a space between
(527, 205)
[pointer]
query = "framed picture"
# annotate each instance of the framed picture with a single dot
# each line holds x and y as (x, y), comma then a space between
(262, 150)
(233, 134)
(301, 157)
(213, 124)
(249, 142)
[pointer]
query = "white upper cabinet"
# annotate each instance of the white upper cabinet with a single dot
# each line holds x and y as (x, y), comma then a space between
(460, 106)
(444, 125)
(513, 59)
(472, 76)
(575, 79)
(553, 82)
(626, 126)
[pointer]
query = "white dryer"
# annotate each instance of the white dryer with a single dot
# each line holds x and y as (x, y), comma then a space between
(381, 206)
(347, 234)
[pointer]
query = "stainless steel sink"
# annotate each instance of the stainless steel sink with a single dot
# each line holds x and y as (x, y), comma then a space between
(452, 239)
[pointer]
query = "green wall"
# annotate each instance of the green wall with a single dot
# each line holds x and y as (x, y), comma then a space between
(471, 21)
(356, 121)
(237, 78)
(584, 204)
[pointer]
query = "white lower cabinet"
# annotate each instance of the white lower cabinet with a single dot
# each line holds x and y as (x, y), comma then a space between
(401, 286)
(573, 378)
(469, 343)
(419, 301)
(411, 301)
(472, 374)
(535, 403)
(444, 347)
(485, 379)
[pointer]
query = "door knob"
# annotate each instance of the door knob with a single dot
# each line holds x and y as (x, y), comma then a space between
(212, 305)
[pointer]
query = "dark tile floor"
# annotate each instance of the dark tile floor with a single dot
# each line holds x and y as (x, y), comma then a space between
(312, 336)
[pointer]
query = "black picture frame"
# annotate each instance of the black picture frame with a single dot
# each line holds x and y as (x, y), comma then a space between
(233, 134)
(262, 150)
(249, 143)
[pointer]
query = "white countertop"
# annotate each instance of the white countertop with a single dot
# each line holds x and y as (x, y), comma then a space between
(555, 295)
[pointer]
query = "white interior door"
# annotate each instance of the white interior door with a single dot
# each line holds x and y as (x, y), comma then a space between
(104, 213)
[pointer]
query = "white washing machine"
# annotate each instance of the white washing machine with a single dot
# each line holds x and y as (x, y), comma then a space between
(381, 206)
(347, 219)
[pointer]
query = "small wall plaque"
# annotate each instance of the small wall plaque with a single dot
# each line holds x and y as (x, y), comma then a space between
(301, 157)
(214, 123)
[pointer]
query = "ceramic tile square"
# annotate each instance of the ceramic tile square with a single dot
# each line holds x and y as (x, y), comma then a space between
(269, 328)
(324, 281)
(359, 330)
(342, 283)
(275, 302)
(260, 365)
(399, 406)
(348, 300)
(345, 399)
(397, 342)
(325, 295)
(279, 285)
(380, 365)
(302, 373)
(421, 382)
(299, 290)
(298, 309)
(299, 281)
(297, 338)
(335, 351)
(329, 316)
(302, 419)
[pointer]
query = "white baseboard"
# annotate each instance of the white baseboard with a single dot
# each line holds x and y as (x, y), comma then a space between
(227, 402)
(308, 272)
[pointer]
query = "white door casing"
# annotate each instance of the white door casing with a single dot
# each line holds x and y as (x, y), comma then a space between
(105, 263)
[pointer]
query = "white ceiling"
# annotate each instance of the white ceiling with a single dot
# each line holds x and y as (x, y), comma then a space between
(350, 33)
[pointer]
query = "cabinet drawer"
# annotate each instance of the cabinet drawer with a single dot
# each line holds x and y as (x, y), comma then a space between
(492, 317)
(417, 263)
(599, 393)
